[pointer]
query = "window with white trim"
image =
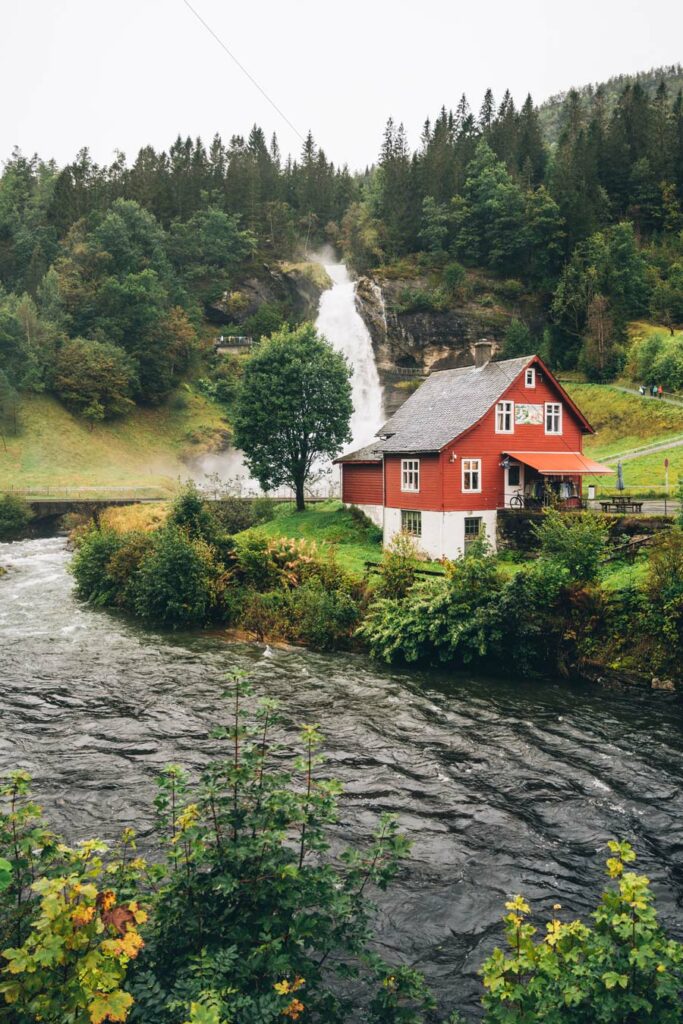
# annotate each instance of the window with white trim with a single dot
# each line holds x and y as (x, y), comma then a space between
(411, 522)
(410, 474)
(530, 378)
(553, 417)
(505, 417)
(471, 475)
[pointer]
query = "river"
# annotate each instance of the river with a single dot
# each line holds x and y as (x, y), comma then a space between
(504, 786)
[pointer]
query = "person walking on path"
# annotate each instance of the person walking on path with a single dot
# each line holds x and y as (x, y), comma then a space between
(660, 391)
(641, 389)
(653, 390)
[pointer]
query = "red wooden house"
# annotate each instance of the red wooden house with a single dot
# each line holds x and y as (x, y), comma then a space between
(468, 443)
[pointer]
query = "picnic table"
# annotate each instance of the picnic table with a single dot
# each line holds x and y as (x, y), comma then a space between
(624, 504)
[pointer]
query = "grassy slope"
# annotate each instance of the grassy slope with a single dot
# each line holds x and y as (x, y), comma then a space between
(331, 527)
(625, 421)
(144, 450)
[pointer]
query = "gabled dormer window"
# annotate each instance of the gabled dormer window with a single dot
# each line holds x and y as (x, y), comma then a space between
(530, 378)
(505, 417)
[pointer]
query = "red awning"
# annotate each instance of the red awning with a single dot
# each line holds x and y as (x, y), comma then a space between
(561, 463)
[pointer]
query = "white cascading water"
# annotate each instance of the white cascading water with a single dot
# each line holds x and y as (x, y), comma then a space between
(340, 322)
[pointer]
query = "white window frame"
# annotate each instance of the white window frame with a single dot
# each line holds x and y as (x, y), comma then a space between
(505, 411)
(530, 378)
(410, 475)
(411, 522)
(553, 418)
(469, 467)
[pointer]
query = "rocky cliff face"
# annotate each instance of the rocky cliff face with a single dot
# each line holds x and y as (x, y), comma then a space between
(407, 338)
(296, 286)
(421, 340)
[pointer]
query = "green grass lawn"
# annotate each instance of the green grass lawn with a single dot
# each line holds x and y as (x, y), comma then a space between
(332, 527)
(55, 449)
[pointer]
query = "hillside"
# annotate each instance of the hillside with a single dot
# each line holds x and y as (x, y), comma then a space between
(149, 449)
(624, 421)
(550, 111)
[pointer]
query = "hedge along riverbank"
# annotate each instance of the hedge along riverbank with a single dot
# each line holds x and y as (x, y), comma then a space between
(550, 615)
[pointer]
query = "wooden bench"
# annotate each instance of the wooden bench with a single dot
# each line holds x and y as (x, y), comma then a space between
(621, 505)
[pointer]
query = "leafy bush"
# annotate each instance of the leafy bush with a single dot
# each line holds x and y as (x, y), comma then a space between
(91, 564)
(576, 541)
(233, 514)
(437, 620)
(421, 300)
(623, 968)
(15, 515)
(264, 509)
(222, 383)
(474, 615)
(511, 289)
(268, 318)
(454, 277)
(254, 919)
(71, 939)
(191, 513)
(397, 569)
(178, 582)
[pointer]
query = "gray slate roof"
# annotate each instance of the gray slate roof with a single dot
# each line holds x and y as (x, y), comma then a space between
(370, 453)
(447, 404)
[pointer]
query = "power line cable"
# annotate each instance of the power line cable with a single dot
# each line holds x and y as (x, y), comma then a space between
(243, 69)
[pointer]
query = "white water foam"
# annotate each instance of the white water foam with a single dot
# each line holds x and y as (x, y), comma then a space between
(340, 322)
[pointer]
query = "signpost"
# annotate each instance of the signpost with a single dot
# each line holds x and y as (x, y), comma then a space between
(666, 475)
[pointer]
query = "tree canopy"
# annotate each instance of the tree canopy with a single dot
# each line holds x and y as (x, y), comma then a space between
(293, 408)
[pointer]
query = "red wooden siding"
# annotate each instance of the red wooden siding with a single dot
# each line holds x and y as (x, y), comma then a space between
(428, 497)
(441, 479)
(362, 483)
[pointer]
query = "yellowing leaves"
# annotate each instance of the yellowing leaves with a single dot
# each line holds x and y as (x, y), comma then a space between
(112, 1006)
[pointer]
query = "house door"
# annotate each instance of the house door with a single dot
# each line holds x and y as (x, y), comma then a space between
(514, 481)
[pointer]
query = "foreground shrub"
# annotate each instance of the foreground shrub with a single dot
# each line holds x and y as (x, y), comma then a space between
(397, 569)
(15, 515)
(248, 915)
(575, 540)
(91, 566)
(474, 615)
(192, 514)
(310, 614)
(178, 582)
(621, 970)
(66, 938)
(251, 917)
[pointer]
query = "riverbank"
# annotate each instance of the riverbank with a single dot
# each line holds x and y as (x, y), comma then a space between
(320, 578)
(503, 785)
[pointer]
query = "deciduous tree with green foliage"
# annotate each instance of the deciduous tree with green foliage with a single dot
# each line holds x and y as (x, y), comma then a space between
(293, 408)
(94, 378)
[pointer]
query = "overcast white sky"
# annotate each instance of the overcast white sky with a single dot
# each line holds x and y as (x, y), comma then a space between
(121, 73)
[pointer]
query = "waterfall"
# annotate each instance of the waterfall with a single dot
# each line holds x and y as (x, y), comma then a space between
(340, 322)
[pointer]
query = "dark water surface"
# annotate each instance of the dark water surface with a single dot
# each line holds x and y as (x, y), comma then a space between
(503, 786)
